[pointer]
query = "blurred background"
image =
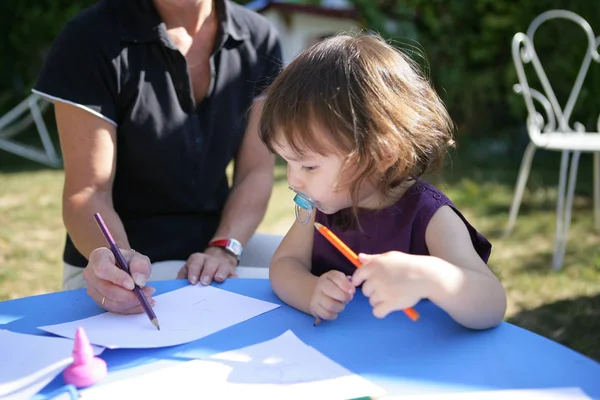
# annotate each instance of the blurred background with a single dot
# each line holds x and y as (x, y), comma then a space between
(465, 48)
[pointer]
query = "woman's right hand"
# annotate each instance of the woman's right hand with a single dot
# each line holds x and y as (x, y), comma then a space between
(111, 287)
(331, 294)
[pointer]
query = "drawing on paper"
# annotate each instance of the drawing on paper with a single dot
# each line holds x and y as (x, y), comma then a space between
(283, 374)
(199, 308)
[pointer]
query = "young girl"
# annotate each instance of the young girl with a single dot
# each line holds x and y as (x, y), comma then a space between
(358, 126)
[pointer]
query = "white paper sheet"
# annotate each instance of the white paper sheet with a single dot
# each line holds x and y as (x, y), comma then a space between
(571, 393)
(281, 368)
(184, 315)
(30, 362)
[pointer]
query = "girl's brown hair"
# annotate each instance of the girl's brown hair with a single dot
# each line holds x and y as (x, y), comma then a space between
(370, 99)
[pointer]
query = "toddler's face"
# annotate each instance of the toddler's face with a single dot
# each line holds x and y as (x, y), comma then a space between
(317, 177)
(324, 179)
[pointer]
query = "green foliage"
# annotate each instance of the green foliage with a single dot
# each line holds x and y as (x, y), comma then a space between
(468, 45)
(27, 28)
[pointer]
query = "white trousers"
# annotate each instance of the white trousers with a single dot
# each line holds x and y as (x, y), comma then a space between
(254, 263)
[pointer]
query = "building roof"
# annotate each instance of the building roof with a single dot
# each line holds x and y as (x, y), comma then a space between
(327, 10)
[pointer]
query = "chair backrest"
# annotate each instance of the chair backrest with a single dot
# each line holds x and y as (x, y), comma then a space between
(598, 122)
(523, 52)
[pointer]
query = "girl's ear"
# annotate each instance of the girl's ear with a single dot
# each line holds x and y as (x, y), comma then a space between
(351, 169)
(386, 155)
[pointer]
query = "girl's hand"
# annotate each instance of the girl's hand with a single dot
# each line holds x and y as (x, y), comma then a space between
(331, 294)
(393, 281)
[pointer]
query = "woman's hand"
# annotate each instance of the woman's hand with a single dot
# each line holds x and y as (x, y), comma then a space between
(111, 287)
(214, 263)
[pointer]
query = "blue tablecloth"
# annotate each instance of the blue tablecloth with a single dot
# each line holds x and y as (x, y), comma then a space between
(402, 356)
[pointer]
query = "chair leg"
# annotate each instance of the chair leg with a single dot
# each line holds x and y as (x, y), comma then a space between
(52, 159)
(520, 187)
(560, 246)
(48, 155)
(560, 205)
(597, 191)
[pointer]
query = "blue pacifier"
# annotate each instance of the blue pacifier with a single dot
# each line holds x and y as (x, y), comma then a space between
(303, 202)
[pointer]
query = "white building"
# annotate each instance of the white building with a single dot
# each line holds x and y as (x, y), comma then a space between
(301, 25)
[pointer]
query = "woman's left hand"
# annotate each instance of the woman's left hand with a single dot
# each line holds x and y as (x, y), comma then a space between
(214, 263)
(393, 281)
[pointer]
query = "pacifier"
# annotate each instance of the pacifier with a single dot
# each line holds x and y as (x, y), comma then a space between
(304, 205)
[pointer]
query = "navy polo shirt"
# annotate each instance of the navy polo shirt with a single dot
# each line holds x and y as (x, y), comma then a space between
(117, 61)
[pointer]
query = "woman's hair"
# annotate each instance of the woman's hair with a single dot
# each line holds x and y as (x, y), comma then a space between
(357, 96)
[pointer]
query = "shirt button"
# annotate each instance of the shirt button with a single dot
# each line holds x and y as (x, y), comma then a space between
(437, 196)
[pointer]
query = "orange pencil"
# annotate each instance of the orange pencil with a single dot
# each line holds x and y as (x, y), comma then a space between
(350, 255)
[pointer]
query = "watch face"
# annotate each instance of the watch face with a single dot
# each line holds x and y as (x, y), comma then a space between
(235, 247)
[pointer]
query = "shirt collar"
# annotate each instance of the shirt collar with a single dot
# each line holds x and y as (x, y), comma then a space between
(139, 22)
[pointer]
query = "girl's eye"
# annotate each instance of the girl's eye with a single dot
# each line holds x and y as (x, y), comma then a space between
(308, 168)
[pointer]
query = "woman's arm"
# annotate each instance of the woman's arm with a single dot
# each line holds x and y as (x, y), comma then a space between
(463, 284)
(252, 184)
(88, 146)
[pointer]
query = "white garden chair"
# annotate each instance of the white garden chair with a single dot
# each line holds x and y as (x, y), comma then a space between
(17, 120)
(554, 132)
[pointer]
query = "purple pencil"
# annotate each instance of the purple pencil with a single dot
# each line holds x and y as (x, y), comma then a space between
(125, 267)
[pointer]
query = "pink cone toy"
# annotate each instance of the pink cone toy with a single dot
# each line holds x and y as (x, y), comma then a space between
(86, 369)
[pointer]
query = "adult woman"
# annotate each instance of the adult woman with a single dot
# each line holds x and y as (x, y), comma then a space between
(151, 101)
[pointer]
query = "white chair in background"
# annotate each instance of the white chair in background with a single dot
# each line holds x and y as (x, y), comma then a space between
(555, 132)
(17, 120)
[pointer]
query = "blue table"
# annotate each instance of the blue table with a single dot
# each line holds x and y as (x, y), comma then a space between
(402, 356)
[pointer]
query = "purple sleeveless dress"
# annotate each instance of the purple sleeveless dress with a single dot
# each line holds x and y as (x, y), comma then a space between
(399, 227)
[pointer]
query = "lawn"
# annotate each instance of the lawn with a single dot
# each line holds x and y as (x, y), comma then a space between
(563, 306)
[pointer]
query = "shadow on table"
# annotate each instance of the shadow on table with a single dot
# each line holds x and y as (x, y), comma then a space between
(574, 323)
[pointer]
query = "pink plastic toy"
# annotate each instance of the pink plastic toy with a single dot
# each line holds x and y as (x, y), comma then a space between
(86, 369)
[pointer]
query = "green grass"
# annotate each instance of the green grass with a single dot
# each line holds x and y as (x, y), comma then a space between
(563, 306)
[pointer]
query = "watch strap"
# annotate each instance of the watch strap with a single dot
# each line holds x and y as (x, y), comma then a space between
(230, 246)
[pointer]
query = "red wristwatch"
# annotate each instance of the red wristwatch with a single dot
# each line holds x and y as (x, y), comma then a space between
(231, 246)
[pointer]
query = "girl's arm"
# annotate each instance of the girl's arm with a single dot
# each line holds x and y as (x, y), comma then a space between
(289, 273)
(463, 285)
